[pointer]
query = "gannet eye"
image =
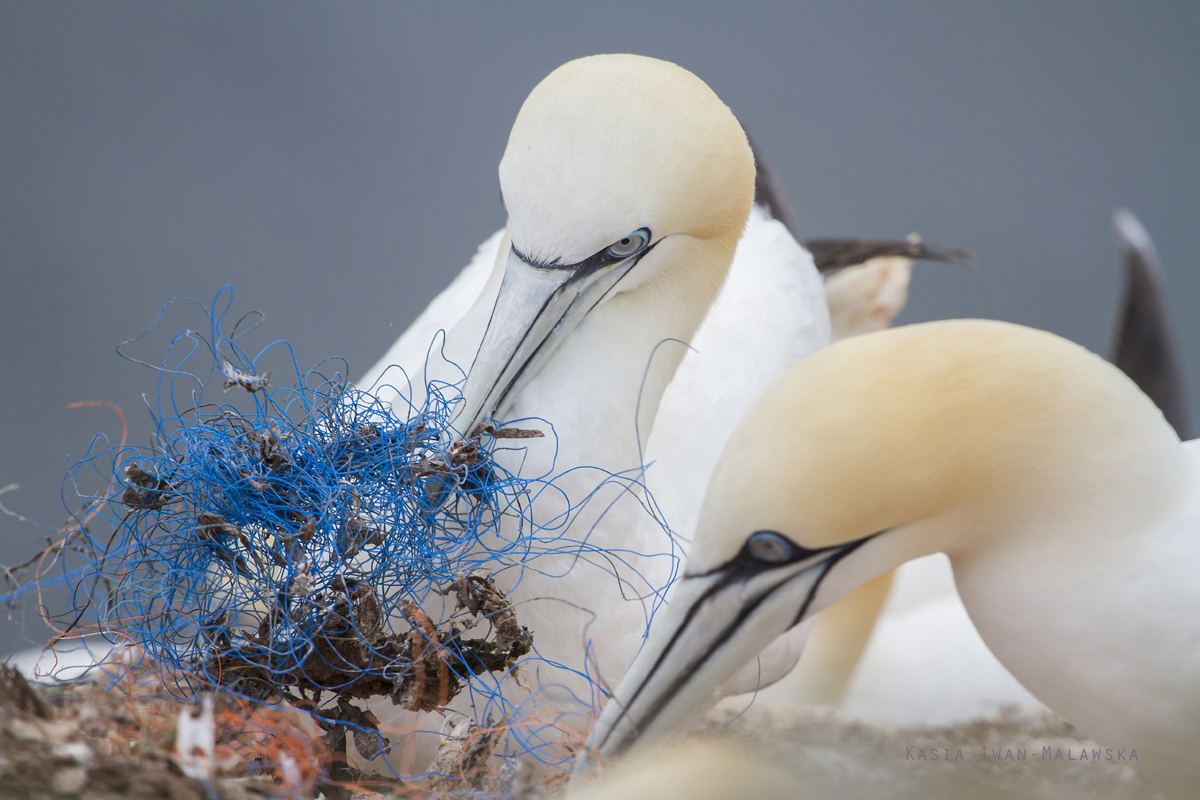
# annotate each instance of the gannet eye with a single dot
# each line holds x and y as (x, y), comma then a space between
(770, 547)
(629, 245)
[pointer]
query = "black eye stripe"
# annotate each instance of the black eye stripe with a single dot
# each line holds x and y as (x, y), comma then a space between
(746, 564)
(596, 260)
(737, 570)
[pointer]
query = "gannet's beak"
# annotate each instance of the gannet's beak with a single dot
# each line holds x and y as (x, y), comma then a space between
(538, 306)
(715, 622)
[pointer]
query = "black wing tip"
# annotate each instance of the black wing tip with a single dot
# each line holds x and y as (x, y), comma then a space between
(834, 254)
(1145, 348)
(1134, 240)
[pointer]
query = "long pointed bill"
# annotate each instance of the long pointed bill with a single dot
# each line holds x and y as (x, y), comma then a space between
(715, 623)
(535, 311)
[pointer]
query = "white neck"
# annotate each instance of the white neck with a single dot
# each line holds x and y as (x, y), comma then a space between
(1086, 592)
(1092, 607)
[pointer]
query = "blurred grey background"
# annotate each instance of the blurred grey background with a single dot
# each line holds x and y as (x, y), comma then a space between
(336, 163)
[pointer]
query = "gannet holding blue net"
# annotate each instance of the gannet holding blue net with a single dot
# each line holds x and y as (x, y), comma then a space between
(628, 185)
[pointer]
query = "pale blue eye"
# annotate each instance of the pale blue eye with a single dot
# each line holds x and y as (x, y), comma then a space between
(770, 547)
(629, 245)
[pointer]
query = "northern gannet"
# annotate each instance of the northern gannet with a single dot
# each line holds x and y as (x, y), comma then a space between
(628, 184)
(868, 287)
(1064, 500)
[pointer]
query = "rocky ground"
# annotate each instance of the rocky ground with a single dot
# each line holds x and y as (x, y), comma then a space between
(79, 741)
(93, 741)
(1027, 753)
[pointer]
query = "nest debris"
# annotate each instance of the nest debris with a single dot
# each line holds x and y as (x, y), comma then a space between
(355, 656)
(85, 740)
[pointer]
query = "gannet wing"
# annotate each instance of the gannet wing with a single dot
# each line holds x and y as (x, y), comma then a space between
(770, 195)
(833, 254)
(1145, 348)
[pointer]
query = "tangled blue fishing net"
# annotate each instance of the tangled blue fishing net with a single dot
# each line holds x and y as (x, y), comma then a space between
(279, 540)
(287, 536)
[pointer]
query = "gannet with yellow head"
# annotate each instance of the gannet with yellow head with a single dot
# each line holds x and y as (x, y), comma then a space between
(1065, 502)
(614, 162)
(627, 184)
